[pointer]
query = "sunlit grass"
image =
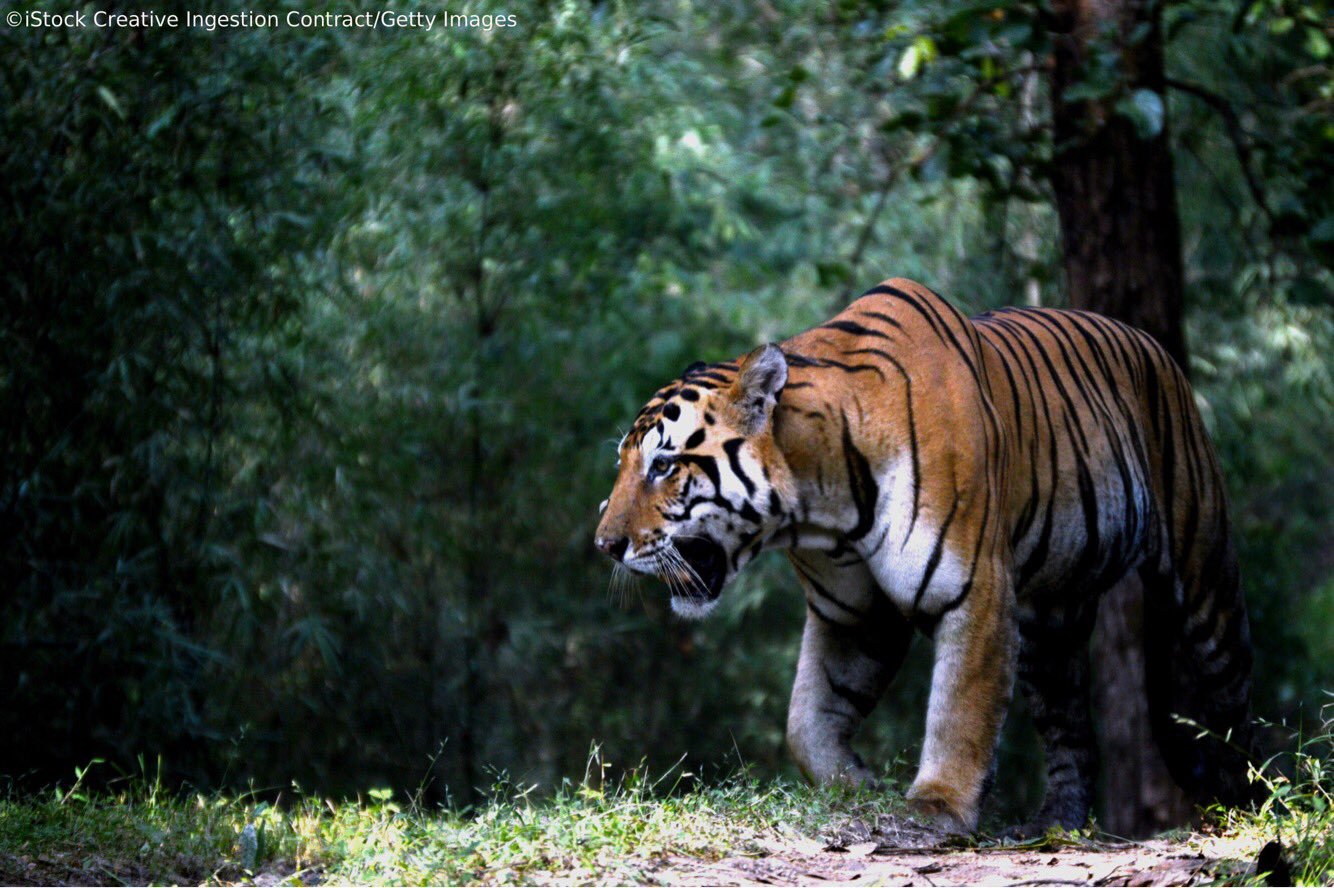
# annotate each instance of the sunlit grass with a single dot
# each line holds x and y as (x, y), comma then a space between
(595, 830)
(1299, 809)
(589, 831)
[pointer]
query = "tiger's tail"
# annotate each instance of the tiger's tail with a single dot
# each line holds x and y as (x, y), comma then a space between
(1197, 635)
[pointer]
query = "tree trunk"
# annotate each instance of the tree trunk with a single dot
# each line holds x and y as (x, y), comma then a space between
(1121, 254)
(1139, 797)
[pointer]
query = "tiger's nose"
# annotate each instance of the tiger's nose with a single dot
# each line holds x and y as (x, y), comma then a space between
(612, 546)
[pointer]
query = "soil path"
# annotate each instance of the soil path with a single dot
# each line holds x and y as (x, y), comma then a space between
(1152, 863)
(891, 854)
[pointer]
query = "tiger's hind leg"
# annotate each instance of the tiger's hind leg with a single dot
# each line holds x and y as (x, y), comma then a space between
(1054, 678)
(854, 642)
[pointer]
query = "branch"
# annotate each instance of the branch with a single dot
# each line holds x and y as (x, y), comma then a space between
(864, 239)
(1223, 191)
(1235, 132)
(916, 161)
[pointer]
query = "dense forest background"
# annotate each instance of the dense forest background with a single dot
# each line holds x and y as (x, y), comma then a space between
(315, 346)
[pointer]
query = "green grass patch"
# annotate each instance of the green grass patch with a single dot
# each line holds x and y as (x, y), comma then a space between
(592, 831)
(582, 832)
(1299, 809)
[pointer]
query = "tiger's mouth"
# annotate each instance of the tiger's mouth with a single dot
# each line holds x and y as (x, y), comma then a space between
(708, 561)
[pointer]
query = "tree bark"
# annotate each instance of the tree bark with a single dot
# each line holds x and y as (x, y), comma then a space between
(1139, 797)
(1121, 235)
(1121, 257)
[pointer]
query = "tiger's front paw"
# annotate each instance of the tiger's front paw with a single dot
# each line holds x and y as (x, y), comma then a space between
(941, 806)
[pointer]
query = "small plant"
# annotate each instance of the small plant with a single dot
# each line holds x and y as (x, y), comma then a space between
(1298, 807)
(1301, 802)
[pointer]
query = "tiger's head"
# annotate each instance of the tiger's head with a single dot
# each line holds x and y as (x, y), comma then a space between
(700, 484)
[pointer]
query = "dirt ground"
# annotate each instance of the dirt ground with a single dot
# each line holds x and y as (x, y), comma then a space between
(890, 853)
(1153, 863)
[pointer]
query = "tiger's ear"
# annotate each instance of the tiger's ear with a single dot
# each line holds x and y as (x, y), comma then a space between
(758, 383)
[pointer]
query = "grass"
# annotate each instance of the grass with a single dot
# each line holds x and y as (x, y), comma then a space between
(1299, 809)
(595, 830)
(591, 831)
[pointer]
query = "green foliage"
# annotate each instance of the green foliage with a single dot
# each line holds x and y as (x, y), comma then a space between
(1267, 390)
(152, 199)
(1298, 810)
(1255, 134)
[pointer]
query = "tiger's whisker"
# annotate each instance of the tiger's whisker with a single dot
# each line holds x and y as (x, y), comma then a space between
(691, 575)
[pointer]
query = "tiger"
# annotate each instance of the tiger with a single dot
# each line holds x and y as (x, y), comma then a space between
(983, 481)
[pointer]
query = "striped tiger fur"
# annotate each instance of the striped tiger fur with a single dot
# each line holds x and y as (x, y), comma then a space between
(983, 480)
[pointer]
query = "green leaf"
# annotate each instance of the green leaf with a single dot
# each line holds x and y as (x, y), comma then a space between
(1144, 108)
(1323, 231)
(112, 102)
(1088, 90)
(909, 62)
(1317, 44)
(919, 53)
(161, 122)
(833, 273)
